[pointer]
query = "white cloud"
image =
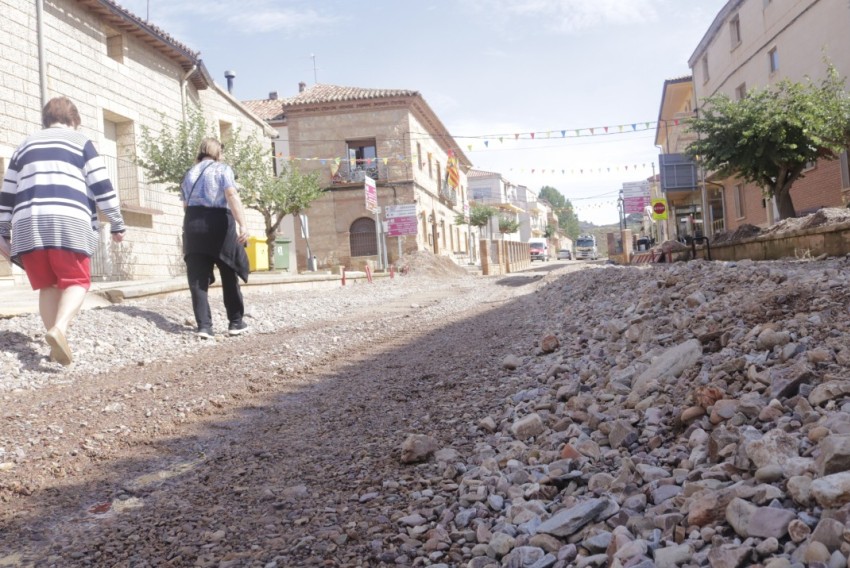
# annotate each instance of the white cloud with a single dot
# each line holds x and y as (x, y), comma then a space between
(567, 16)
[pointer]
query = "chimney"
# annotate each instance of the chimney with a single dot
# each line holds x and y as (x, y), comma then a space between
(230, 76)
(273, 95)
(301, 86)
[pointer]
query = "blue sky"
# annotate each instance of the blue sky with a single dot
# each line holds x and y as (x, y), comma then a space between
(490, 69)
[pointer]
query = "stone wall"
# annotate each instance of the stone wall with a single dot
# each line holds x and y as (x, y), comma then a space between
(830, 240)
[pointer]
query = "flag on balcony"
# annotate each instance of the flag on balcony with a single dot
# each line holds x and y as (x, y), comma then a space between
(452, 174)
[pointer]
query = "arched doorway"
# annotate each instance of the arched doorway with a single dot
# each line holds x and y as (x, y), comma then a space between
(362, 239)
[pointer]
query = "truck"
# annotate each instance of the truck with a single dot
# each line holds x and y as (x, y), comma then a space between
(539, 249)
(586, 248)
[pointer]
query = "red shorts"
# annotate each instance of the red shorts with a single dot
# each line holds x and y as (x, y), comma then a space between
(60, 268)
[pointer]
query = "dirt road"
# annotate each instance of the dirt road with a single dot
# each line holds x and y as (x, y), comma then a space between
(279, 449)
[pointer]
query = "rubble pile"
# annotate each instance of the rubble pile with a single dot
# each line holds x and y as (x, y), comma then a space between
(689, 415)
(426, 263)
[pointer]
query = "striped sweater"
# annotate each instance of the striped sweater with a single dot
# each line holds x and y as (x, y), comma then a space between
(55, 183)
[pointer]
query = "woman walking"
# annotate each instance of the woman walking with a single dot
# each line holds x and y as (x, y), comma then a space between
(54, 186)
(211, 238)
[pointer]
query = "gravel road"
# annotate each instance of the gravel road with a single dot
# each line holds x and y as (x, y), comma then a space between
(277, 448)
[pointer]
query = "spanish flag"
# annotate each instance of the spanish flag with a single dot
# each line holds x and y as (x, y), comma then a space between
(452, 173)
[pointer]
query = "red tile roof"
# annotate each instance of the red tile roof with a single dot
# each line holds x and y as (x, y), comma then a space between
(267, 109)
(334, 93)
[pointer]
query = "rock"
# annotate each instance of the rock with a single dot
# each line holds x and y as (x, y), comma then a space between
(528, 427)
(832, 491)
(668, 365)
(833, 455)
(672, 556)
(569, 520)
(510, 362)
(549, 343)
(417, 448)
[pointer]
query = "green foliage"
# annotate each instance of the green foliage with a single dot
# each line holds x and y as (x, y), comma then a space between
(508, 225)
(769, 136)
(568, 222)
(167, 157)
(549, 232)
(480, 215)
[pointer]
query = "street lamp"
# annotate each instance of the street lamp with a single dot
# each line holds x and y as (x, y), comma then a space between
(621, 206)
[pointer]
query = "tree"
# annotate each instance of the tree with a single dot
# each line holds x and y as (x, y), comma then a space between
(508, 225)
(167, 156)
(769, 136)
(567, 220)
(480, 215)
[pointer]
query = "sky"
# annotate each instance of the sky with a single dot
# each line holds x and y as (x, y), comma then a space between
(518, 83)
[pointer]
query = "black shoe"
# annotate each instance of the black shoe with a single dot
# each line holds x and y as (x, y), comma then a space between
(205, 333)
(237, 327)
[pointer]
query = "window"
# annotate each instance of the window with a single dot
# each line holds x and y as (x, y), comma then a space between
(741, 91)
(430, 172)
(362, 159)
(773, 59)
(739, 200)
(810, 165)
(362, 239)
(735, 31)
(705, 75)
(439, 176)
(419, 155)
(225, 131)
(114, 45)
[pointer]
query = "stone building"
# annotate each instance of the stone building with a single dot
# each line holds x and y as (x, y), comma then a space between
(123, 74)
(391, 136)
(753, 44)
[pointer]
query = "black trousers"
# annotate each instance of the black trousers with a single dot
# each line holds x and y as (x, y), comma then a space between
(199, 269)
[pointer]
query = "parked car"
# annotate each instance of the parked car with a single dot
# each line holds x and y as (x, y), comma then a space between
(565, 254)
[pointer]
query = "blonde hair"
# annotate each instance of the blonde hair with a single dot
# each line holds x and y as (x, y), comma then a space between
(60, 110)
(209, 148)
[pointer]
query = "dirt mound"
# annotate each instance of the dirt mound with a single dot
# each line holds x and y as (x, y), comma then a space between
(820, 218)
(743, 232)
(424, 262)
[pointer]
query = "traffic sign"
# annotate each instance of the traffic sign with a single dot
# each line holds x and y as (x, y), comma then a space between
(403, 210)
(659, 209)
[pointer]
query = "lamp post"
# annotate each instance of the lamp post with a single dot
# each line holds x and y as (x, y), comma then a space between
(621, 206)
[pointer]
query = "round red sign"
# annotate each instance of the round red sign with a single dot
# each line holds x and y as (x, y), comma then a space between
(659, 208)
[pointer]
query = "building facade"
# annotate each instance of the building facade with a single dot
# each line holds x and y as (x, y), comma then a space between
(753, 44)
(349, 134)
(124, 75)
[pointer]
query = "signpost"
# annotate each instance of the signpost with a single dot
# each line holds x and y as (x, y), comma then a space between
(370, 190)
(635, 196)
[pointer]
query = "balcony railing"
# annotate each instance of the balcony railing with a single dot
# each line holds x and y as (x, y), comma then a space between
(447, 193)
(356, 172)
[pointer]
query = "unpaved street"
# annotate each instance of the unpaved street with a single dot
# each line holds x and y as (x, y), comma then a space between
(691, 415)
(280, 446)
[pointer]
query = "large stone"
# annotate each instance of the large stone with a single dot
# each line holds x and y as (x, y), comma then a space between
(669, 364)
(672, 556)
(417, 448)
(834, 455)
(832, 490)
(528, 427)
(828, 391)
(568, 521)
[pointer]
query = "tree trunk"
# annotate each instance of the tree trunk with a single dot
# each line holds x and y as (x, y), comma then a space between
(784, 203)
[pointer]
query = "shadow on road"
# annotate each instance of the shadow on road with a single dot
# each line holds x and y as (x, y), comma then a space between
(303, 452)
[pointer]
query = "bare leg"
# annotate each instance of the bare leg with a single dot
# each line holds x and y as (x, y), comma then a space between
(70, 302)
(58, 308)
(48, 304)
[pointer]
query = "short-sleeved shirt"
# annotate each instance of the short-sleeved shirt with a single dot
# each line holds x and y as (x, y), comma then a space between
(209, 190)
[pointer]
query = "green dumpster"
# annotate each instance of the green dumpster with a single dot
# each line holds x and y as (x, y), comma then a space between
(281, 253)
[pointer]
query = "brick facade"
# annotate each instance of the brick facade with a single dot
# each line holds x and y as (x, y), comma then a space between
(412, 151)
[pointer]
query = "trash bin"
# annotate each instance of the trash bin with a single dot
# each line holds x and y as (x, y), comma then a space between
(281, 253)
(258, 254)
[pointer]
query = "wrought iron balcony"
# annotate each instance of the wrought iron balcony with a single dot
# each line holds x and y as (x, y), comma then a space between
(349, 172)
(447, 193)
